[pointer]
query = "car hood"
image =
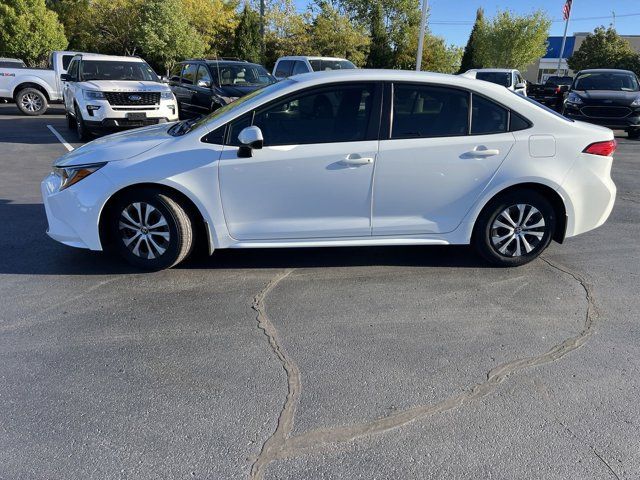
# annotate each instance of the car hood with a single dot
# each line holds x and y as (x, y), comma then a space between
(125, 86)
(601, 96)
(118, 146)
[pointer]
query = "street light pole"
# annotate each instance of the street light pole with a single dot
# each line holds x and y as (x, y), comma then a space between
(423, 27)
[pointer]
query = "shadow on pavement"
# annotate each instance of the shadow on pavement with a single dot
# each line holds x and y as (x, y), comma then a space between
(26, 249)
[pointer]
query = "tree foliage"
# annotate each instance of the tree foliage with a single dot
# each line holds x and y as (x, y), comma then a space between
(215, 22)
(29, 30)
(247, 42)
(469, 57)
(604, 48)
(512, 41)
(380, 51)
(437, 56)
(287, 32)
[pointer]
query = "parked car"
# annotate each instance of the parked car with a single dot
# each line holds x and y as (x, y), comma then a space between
(104, 93)
(605, 97)
(292, 165)
(509, 78)
(287, 66)
(553, 90)
(11, 63)
(32, 88)
(202, 86)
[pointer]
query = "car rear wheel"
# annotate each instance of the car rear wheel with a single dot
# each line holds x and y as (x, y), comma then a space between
(31, 101)
(514, 228)
(151, 230)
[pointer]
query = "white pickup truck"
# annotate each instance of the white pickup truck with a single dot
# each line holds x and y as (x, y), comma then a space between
(33, 88)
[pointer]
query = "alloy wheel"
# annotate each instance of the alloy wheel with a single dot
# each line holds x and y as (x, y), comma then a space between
(31, 102)
(144, 230)
(517, 230)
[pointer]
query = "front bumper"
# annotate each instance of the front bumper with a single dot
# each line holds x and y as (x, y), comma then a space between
(73, 214)
(100, 115)
(630, 121)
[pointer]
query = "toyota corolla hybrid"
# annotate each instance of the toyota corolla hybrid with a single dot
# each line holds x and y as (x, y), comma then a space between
(352, 157)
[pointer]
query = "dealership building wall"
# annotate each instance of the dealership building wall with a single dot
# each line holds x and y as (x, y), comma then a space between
(539, 71)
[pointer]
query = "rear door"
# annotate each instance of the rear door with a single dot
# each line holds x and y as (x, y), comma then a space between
(184, 92)
(201, 96)
(313, 178)
(443, 147)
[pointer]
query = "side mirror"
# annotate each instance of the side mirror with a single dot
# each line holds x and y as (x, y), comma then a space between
(251, 139)
(65, 77)
(204, 83)
(164, 79)
(520, 86)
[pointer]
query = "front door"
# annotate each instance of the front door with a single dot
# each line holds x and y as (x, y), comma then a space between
(313, 178)
(437, 160)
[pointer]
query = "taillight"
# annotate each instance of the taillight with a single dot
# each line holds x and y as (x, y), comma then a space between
(605, 149)
(557, 90)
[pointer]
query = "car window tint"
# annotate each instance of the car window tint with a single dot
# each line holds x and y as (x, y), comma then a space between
(203, 75)
(189, 74)
(66, 60)
(336, 114)
(237, 126)
(73, 69)
(284, 68)
(299, 67)
(518, 122)
(423, 111)
(487, 117)
(216, 137)
(174, 76)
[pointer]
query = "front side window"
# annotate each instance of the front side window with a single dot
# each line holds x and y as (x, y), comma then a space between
(501, 78)
(299, 67)
(73, 69)
(203, 77)
(319, 65)
(423, 111)
(66, 60)
(284, 68)
(174, 76)
(247, 75)
(113, 70)
(336, 114)
(488, 117)
(189, 73)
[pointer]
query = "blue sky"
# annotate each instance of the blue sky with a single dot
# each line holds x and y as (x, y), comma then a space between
(465, 11)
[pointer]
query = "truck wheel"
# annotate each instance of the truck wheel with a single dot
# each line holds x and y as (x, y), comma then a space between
(81, 128)
(31, 101)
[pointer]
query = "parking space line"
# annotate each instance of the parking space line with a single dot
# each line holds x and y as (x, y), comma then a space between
(60, 138)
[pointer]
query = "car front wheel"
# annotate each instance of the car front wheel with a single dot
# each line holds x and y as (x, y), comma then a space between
(151, 230)
(31, 102)
(515, 228)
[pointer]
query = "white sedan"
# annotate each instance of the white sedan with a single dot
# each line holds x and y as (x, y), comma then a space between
(352, 157)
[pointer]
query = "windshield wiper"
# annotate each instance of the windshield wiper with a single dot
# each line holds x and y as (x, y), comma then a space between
(182, 127)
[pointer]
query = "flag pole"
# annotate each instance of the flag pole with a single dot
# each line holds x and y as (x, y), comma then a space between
(423, 26)
(564, 39)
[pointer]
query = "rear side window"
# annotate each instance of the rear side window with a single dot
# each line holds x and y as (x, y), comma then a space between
(422, 111)
(284, 68)
(518, 122)
(189, 74)
(488, 117)
(299, 67)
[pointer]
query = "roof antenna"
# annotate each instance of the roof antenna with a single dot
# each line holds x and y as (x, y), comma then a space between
(218, 69)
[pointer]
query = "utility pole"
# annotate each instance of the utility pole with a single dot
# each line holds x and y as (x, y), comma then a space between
(423, 27)
(566, 12)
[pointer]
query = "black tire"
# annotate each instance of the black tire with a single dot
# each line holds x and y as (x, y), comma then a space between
(81, 128)
(634, 134)
(529, 240)
(168, 246)
(31, 101)
(71, 122)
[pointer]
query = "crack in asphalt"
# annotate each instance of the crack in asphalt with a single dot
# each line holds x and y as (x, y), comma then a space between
(285, 420)
(281, 445)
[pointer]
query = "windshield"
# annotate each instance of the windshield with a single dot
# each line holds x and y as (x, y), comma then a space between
(185, 126)
(618, 81)
(242, 75)
(112, 70)
(501, 78)
(321, 65)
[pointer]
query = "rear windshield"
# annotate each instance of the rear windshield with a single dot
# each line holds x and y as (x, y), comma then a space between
(501, 78)
(321, 65)
(618, 81)
(112, 70)
(242, 75)
(11, 64)
(559, 81)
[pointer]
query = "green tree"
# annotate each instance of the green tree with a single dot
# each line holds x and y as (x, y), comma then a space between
(469, 59)
(380, 51)
(29, 30)
(164, 34)
(72, 14)
(333, 35)
(247, 43)
(111, 27)
(215, 21)
(604, 48)
(287, 32)
(437, 56)
(511, 41)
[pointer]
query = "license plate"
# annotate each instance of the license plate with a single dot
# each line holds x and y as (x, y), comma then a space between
(136, 115)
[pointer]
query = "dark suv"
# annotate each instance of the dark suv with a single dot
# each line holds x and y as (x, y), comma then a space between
(202, 86)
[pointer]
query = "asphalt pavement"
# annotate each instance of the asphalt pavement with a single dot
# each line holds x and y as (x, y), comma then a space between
(337, 363)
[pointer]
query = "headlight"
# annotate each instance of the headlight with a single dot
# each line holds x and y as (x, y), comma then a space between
(72, 175)
(93, 95)
(574, 98)
(636, 102)
(166, 95)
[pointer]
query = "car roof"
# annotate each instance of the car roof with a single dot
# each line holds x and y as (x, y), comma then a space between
(605, 70)
(7, 59)
(497, 70)
(304, 57)
(108, 58)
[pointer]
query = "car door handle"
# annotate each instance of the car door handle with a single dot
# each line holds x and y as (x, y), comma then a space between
(483, 152)
(355, 161)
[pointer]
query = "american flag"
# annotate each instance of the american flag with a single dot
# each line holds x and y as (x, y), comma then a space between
(566, 10)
